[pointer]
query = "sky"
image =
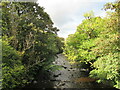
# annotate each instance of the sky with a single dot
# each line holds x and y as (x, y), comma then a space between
(68, 14)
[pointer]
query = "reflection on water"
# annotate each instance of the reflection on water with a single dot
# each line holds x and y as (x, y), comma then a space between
(68, 77)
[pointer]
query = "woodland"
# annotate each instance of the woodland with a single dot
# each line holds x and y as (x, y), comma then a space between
(96, 42)
(30, 43)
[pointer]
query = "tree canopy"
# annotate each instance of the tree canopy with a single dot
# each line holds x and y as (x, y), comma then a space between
(30, 42)
(96, 42)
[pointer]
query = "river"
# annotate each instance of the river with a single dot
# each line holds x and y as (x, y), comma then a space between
(69, 76)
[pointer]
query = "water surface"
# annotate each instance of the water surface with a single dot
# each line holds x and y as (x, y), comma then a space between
(69, 76)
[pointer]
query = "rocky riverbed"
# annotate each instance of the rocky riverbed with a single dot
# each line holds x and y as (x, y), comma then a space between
(69, 76)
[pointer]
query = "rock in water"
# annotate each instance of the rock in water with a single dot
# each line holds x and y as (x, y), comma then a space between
(34, 82)
(64, 67)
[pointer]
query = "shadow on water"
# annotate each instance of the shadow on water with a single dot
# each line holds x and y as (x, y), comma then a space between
(70, 76)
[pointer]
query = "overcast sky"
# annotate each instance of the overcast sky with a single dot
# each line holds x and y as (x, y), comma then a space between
(68, 14)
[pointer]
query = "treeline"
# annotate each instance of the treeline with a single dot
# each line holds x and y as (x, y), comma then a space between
(29, 42)
(97, 42)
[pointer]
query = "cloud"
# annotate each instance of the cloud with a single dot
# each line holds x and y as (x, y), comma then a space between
(67, 29)
(67, 14)
(62, 11)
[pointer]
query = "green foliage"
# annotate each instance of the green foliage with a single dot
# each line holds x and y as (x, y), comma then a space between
(89, 15)
(30, 42)
(12, 67)
(96, 41)
(0, 63)
(79, 45)
(107, 68)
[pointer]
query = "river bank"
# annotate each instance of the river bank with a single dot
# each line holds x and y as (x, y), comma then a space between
(69, 76)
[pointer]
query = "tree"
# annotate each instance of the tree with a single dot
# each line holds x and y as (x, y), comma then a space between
(29, 33)
(89, 15)
(96, 41)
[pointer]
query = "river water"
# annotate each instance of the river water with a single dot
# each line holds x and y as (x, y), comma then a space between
(69, 76)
